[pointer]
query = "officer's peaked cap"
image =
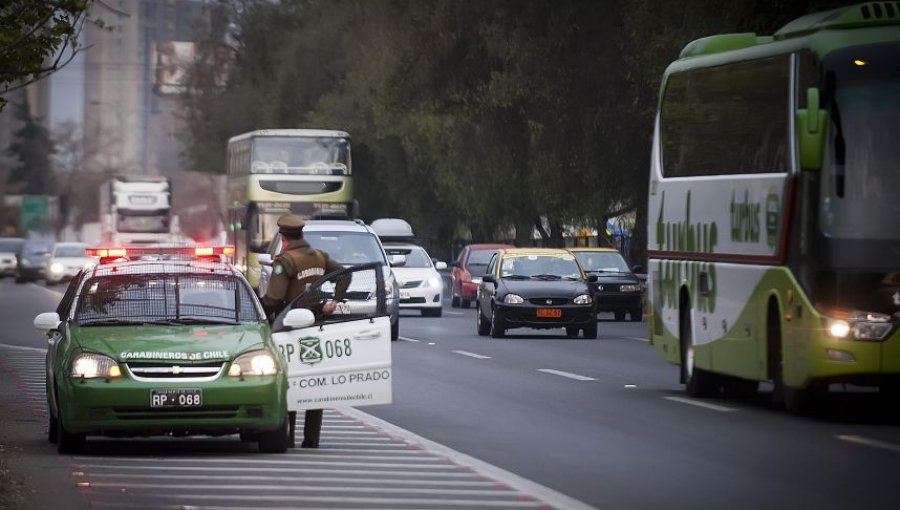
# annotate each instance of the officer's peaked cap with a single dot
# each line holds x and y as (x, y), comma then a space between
(290, 224)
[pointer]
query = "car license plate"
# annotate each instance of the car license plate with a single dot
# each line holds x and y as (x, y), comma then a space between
(176, 398)
(404, 295)
(549, 313)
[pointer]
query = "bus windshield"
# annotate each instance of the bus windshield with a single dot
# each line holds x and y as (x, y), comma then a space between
(300, 155)
(862, 90)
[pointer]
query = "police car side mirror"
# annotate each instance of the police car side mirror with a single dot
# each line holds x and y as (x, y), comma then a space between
(299, 318)
(47, 321)
(264, 259)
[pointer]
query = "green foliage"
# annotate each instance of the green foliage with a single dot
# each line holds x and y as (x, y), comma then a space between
(37, 37)
(32, 147)
(484, 117)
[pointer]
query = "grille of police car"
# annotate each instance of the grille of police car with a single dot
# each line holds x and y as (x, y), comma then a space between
(156, 371)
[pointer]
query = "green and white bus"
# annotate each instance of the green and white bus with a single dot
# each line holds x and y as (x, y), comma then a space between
(774, 208)
(274, 171)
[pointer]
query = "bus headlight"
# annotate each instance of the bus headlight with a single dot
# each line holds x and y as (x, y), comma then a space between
(860, 326)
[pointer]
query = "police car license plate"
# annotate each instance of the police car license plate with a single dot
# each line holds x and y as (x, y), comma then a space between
(549, 313)
(176, 398)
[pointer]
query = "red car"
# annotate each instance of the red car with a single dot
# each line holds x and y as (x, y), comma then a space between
(467, 271)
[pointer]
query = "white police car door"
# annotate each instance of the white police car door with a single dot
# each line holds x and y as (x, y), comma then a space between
(344, 359)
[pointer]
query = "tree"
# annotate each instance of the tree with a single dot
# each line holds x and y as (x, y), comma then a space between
(37, 38)
(32, 147)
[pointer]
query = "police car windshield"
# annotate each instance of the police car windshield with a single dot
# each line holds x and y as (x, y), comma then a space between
(155, 299)
(347, 248)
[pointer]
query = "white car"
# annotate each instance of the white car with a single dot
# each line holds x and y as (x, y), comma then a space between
(65, 260)
(9, 247)
(349, 243)
(421, 286)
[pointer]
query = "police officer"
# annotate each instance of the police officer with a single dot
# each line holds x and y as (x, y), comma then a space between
(293, 270)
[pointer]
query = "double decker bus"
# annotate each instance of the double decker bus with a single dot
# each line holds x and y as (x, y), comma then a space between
(270, 172)
(774, 208)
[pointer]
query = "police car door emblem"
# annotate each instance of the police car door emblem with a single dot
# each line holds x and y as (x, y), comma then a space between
(310, 350)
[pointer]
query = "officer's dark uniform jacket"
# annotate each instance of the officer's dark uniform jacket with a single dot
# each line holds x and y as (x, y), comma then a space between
(293, 270)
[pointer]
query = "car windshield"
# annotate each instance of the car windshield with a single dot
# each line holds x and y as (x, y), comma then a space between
(150, 299)
(35, 249)
(602, 262)
(415, 257)
(478, 260)
(69, 251)
(551, 267)
(10, 245)
(347, 248)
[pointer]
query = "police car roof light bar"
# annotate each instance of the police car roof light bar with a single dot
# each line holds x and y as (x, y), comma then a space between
(107, 255)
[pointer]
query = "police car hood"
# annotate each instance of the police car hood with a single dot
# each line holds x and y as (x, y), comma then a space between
(185, 344)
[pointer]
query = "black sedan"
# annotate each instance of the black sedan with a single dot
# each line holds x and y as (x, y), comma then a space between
(617, 289)
(538, 288)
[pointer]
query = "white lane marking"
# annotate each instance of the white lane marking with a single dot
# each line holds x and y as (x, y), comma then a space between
(297, 462)
(874, 443)
(546, 495)
(472, 355)
(282, 470)
(636, 338)
(23, 348)
(705, 405)
(568, 375)
(406, 339)
(365, 502)
(45, 289)
(307, 479)
(453, 313)
(169, 488)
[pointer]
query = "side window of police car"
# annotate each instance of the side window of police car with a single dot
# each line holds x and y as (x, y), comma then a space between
(65, 304)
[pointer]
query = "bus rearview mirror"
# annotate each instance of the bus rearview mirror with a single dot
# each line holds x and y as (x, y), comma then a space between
(811, 127)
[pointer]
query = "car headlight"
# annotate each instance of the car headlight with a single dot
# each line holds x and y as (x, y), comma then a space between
(860, 326)
(583, 299)
(90, 365)
(476, 280)
(630, 288)
(253, 363)
(513, 299)
(431, 282)
(56, 267)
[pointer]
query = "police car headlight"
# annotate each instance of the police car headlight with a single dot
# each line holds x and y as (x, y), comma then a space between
(583, 299)
(513, 299)
(89, 366)
(253, 363)
(431, 282)
(56, 268)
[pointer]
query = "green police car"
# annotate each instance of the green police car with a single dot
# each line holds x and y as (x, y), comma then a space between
(176, 346)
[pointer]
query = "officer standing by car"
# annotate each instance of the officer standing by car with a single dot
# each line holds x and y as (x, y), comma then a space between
(293, 270)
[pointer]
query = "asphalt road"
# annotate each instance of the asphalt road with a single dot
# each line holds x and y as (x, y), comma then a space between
(602, 421)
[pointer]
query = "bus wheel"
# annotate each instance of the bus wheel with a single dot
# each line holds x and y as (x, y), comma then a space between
(735, 387)
(698, 382)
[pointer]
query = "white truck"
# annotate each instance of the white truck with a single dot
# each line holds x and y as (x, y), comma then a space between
(136, 210)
